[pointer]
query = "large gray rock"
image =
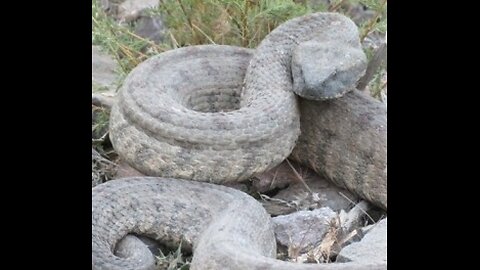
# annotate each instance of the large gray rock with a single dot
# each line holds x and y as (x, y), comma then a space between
(103, 71)
(372, 248)
(303, 229)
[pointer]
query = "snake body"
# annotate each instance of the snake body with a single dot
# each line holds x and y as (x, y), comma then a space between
(233, 233)
(215, 114)
(187, 114)
(345, 140)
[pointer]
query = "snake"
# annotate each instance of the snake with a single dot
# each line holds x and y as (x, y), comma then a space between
(196, 117)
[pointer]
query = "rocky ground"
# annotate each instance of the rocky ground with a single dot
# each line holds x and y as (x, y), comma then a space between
(315, 221)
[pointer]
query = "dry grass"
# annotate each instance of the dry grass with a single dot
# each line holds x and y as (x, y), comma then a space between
(232, 22)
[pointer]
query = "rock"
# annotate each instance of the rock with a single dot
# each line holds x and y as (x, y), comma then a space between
(103, 71)
(137, 248)
(372, 248)
(110, 7)
(304, 229)
(240, 186)
(105, 5)
(352, 220)
(152, 28)
(361, 14)
(130, 10)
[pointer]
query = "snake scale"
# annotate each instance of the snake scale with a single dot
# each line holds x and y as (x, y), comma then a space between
(220, 114)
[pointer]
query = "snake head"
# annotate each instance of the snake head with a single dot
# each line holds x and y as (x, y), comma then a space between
(326, 70)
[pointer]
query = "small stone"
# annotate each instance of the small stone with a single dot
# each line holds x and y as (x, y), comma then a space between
(303, 230)
(103, 71)
(130, 10)
(152, 28)
(371, 249)
(139, 247)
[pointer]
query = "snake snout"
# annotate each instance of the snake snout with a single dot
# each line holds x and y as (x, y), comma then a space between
(326, 70)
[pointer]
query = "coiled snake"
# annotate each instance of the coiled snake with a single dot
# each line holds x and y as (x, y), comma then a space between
(221, 114)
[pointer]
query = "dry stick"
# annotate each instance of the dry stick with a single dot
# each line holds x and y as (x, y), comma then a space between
(203, 33)
(268, 198)
(299, 177)
(274, 178)
(97, 156)
(102, 101)
(145, 40)
(101, 139)
(244, 23)
(378, 59)
(128, 52)
(175, 42)
(187, 17)
(185, 14)
(303, 239)
(253, 37)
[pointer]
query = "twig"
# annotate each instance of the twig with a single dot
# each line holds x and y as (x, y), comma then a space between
(244, 24)
(378, 59)
(274, 177)
(145, 40)
(299, 177)
(102, 101)
(186, 17)
(203, 33)
(175, 42)
(97, 156)
(268, 198)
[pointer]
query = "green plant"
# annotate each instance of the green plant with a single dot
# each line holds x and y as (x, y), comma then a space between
(232, 22)
(174, 260)
(378, 22)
